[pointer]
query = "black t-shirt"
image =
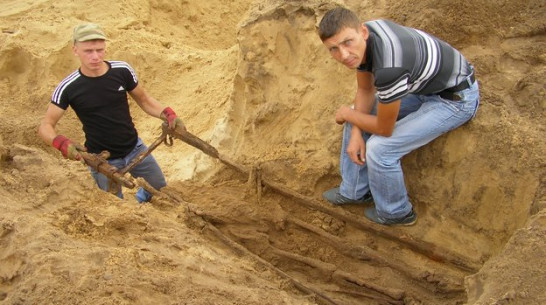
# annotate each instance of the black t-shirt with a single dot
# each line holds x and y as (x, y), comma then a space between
(101, 105)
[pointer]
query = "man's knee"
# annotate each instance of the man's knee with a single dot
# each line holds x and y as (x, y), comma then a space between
(377, 152)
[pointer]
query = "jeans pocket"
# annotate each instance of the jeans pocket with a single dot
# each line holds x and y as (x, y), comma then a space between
(456, 106)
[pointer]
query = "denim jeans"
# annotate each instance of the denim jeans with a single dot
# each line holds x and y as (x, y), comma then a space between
(421, 119)
(147, 169)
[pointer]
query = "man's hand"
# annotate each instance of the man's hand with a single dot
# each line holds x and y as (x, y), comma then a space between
(341, 114)
(169, 116)
(67, 148)
(356, 149)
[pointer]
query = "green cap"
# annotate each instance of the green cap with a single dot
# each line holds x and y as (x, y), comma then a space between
(89, 31)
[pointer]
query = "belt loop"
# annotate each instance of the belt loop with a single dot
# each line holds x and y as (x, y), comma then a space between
(470, 78)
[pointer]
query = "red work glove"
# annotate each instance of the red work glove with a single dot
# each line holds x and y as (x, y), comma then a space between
(67, 148)
(170, 117)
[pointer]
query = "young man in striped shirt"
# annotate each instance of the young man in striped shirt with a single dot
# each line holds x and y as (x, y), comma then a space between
(97, 92)
(411, 88)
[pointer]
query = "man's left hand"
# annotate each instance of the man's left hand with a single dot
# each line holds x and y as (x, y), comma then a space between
(170, 117)
(341, 114)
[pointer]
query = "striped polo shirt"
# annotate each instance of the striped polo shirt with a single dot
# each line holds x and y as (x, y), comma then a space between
(405, 60)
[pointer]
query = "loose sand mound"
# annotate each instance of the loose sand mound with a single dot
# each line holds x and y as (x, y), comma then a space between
(253, 80)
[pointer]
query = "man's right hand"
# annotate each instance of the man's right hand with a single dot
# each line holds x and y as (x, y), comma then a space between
(67, 148)
(356, 149)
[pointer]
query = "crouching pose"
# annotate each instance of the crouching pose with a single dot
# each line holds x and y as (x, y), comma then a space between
(411, 88)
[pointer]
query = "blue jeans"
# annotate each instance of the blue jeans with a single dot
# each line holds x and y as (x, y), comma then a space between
(147, 169)
(421, 119)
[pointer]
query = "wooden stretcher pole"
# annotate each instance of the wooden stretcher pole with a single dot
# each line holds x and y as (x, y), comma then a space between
(99, 163)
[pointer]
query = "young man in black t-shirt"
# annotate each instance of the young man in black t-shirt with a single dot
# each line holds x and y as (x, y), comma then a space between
(97, 92)
(411, 88)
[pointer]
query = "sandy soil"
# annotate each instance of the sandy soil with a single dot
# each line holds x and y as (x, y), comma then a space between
(252, 79)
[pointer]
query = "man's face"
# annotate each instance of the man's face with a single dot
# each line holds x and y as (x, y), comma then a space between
(91, 54)
(348, 46)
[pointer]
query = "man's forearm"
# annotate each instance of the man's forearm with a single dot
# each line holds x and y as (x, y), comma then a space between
(47, 133)
(360, 118)
(362, 122)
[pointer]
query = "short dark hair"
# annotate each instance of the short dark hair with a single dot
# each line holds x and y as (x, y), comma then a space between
(335, 20)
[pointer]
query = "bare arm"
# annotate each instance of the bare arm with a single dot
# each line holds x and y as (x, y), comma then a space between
(363, 104)
(361, 119)
(365, 92)
(46, 130)
(154, 108)
(145, 101)
(380, 124)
